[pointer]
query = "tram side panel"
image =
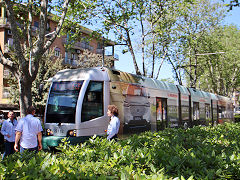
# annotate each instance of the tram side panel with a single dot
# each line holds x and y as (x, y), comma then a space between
(222, 104)
(184, 108)
(214, 112)
(225, 110)
(134, 107)
(117, 98)
(173, 119)
(142, 109)
(198, 107)
(185, 111)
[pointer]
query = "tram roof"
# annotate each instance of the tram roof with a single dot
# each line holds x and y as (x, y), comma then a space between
(116, 75)
(97, 74)
(183, 90)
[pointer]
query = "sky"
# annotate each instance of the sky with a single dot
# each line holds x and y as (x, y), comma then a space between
(125, 60)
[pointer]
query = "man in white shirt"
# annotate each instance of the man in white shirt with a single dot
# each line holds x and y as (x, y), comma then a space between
(29, 132)
(8, 131)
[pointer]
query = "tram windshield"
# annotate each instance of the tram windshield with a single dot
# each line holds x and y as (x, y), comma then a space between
(62, 102)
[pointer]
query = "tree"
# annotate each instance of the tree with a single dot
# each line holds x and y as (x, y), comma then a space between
(233, 3)
(133, 24)
(219, 72)
(40, 87)
(197, 20)
(88, 59)
(27, 52)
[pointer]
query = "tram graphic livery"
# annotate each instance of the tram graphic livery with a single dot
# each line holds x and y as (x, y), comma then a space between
(78, 100)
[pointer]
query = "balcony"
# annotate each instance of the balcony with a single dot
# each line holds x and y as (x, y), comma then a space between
(79, 45)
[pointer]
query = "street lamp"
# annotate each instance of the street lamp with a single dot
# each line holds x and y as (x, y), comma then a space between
(103, 51)
(30, 55)
(209, 53)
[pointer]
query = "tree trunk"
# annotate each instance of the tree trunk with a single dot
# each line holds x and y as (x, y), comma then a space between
(130, 48)
(25, 90)
(153, 56)
(143, 46)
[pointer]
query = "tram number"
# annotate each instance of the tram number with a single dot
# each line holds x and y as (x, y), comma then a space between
(137, 118)
(58, 130)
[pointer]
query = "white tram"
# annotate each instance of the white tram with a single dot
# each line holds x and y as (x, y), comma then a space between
(78, 100)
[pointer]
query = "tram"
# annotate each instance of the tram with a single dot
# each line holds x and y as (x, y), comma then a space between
(78, 100)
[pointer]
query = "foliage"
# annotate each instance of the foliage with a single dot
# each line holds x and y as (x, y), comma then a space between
(196, 20)
(232, 3)
(219, 72)
(196, 153)
(88, 59)
(29, 44)
(135, 24)
(49, 68)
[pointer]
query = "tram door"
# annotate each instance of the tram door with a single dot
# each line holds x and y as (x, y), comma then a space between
(208, 114)
(161, 113)
(196, 115)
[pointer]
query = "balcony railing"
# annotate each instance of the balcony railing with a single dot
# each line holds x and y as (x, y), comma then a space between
(79, 44)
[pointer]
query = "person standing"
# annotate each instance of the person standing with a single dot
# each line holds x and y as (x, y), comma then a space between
(29, 132)
(114, 123)
(8, 131)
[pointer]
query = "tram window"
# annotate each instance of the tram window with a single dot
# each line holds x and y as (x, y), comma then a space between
(221, 112)
(93, 101)
(62, 102)
(161, 113)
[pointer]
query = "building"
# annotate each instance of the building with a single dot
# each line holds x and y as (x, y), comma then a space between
(70, 56)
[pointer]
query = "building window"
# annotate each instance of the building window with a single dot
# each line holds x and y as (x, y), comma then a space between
(6, 93)
(57, 52)
(99, 45)
(10, 41)
(73, 56)
(36, 24)
(66, 57)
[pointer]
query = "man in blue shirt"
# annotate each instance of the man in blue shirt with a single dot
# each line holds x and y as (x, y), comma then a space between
(8, 131)
(29, 132)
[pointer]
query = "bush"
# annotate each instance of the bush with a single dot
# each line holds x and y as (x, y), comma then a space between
(196, 153)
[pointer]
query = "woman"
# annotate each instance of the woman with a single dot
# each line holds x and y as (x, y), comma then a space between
(114, 123)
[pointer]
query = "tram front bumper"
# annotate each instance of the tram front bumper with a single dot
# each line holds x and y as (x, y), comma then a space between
(53, 141)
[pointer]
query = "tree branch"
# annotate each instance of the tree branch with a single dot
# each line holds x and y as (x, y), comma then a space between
(59, 26)
(16, 38)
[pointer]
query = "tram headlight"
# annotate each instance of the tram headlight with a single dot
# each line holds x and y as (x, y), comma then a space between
(72, 133)
(49, 132)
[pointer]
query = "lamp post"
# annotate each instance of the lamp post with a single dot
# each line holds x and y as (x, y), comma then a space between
(103, 52)
(204, 54)
(30, 55)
